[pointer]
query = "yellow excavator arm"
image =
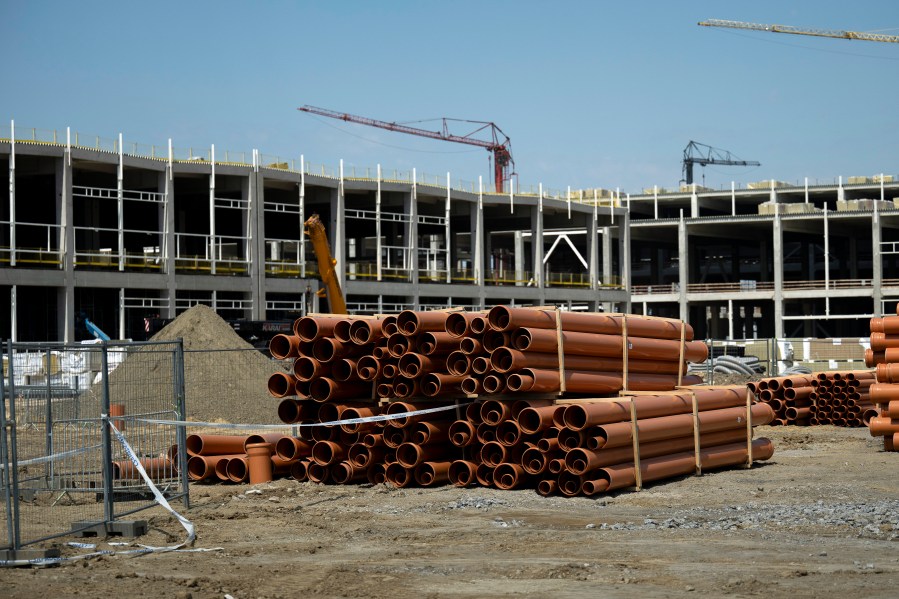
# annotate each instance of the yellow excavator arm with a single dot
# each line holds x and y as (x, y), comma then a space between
(315, 230)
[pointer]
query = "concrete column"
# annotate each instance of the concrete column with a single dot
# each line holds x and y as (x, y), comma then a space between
(876, 262)
(65, 210)
(253, 190)
(778, 277)
(607, 262)
(12, 198)
(537, 247)
(624, 251)
(519, 258)
(13, 316)
(593, 252)
(477, 237)
(410, 207)
(683, 262)
(167, 184)
(694, 203)
(212, 242)
(120, 186)
(337, 235)
(853, 257)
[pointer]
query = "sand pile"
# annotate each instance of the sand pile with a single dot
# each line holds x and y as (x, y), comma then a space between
(225, 378)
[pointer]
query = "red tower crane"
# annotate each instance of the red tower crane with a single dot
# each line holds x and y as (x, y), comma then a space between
(498, 145)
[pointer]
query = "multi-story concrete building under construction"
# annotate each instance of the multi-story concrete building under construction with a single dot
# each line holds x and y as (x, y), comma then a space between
(116, 232)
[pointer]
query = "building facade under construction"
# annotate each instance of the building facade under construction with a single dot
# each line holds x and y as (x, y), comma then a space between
(114, 232)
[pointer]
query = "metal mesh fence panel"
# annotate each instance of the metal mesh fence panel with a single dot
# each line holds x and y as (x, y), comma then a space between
(66, 472)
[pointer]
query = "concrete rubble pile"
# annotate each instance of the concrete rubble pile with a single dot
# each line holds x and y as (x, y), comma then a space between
(838, 398)
(532, 397)
(884, 354)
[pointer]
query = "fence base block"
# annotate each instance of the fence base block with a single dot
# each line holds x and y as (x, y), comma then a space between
(123, 528)
(9, 555)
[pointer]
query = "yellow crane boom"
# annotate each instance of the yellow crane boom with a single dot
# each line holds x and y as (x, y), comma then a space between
(315, 230)
(849, 35)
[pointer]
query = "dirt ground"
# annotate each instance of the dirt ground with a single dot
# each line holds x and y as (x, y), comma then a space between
(820, 518)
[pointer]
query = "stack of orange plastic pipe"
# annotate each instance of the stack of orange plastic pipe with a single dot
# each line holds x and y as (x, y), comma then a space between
(224, 458)
(884, 354)
(838, 398)
(402, 451)
(426, 358)
(586, 447)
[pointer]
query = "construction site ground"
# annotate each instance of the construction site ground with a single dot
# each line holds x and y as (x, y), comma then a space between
(819, 519)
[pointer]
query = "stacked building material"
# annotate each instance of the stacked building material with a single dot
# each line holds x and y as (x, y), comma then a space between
(589, 447)
(884, 354)
(838, 398)
(237, 458)
(523, 359)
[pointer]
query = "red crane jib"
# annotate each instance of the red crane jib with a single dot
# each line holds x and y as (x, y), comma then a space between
(502, 155)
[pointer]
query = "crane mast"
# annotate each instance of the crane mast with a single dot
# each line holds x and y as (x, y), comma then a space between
(837, 33)
(498, 145)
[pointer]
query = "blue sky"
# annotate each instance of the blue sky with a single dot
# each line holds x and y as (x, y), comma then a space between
(592, 94)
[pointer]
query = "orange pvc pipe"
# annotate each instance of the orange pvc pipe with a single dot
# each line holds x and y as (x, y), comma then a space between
(317, 473)
(534, 461)
(344, 370)
(508, 433)
(156, 468)
(484, 475)
(504, 318)
(888, 373)
(368, 367)
(400, 407)
(388, 326)
(582, 460)
(437, 343)
(238, 468)
(883, 392)
(472, 386)
(377, 473)
(505, 359)
(284, 346)
(365, 331)
(478, 325)
(509, 476)
(431, 473)
(537, 420)
(414, 365)
(492, 340)
(581, 381)
(324, 389)
(462, 473)
(326, 453)
(410, 322)
(329, 349)
(882, 341)
(342, 330)
(462, 433)
(494, 411)
(431, 433)
(271, 438)
(486, 433)
(607, 346)
(397, 344)
(493, 383)
(292, 448)
(281, 384)
(310, 328)
(481, 365)
(882, 426)
(458, 363)
(623, 475)
(546, 487)
(668, 427)
(215, 444)
(259, 459)
(344, 473)
(470, 346)
(411, 455)
(306, 368)
(579, 416)
(457, 323)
